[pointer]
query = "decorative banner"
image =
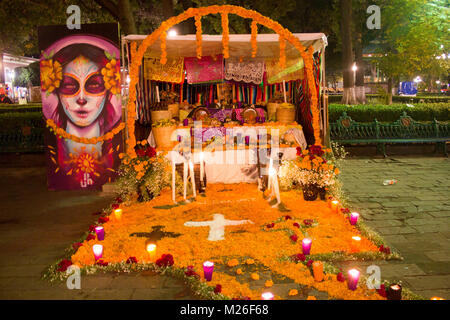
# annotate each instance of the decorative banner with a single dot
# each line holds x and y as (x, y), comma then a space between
(276, 74)
(81, 87)
(248, 70)
(172, 71)
(204, 70)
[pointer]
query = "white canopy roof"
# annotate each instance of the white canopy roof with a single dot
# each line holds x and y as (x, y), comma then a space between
(239, 45)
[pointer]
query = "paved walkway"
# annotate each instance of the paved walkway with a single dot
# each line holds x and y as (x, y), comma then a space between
(36, 226)
(412, 215)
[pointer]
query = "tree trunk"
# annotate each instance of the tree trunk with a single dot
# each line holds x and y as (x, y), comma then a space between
(389, 90)
(347, 57)
(359, 81)
(126, 18)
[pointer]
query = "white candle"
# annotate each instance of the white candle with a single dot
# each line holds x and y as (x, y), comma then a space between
(202, 169)
(275, 189)
(173, 178)
(185, 171)
(192, 174)
(157, 93)
(284, 91)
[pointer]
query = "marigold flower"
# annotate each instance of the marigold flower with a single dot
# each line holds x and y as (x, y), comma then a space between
(249, 261)
(254, 276)
(268, 283)
(311, 298)
(293, 292)
(233, 262)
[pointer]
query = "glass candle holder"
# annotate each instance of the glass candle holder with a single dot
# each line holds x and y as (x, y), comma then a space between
(118, 214)
(98, 251)
(394, 292)
(267, 296)
(100, 232)
(306, 246)
(353, 277)
(208, 268)
(354, 218)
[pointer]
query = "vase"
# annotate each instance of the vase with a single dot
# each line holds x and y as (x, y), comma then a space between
(310, 192)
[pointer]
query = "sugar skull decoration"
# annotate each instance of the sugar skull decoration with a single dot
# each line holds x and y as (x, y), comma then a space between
(81, 86)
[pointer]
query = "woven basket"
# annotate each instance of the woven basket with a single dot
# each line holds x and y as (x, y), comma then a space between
(160, 115)
(285, 115)
(272, 110)
(174, 110)
(162, 136)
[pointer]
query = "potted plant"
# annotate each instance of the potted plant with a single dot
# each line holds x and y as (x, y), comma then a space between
(312, 170)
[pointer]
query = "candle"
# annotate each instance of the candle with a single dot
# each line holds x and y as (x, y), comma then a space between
(274, 181)
(436, 298)
(185, 171)
(335, 206)
(353, 277)
(118, 214)
(284, 90)
(306, 246)
(192, 174)
(394, 292)
(208, 268)
(269, 183)
(151, 249)
(354, 247)
(157, 93)
(202, 170)
(354, 218)
(318, 270)
(267, 296)
(100, 232)
(98, 251)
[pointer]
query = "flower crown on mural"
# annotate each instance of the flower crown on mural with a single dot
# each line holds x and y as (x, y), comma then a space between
(51, 74)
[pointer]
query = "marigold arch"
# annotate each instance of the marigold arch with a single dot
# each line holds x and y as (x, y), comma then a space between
(137, 55)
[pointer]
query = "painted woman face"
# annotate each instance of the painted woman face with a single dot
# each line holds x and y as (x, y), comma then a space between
(82, 91)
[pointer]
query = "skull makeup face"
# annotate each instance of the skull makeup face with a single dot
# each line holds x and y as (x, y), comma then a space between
(82, 91)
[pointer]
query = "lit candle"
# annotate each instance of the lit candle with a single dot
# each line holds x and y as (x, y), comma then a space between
(118, 214)
(318, 270)
(100, 232)
(267, 296)
(275, 187)
(437, 298)
(98, 251)
(192, 174)
(394, 292)
(354, 218)
(353, 277)
(208, 268)
(335, 206)
(354, 247)
(202, 169)
(306, 246)
(185, 172)
(151, 249)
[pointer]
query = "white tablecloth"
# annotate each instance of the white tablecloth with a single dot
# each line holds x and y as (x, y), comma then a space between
(233, 166)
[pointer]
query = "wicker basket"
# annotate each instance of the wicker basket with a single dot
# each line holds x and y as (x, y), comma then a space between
(162, 136)
(285, 115)
(174, 110)
(160, 115)
(272, 110)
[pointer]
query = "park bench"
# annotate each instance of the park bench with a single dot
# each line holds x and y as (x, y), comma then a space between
(404, 130)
